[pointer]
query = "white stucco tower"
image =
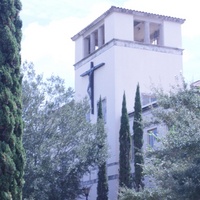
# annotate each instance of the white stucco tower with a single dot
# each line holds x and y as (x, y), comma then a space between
(131, 47)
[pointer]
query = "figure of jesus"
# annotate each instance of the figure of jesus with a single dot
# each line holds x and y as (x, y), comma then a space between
(90, 88)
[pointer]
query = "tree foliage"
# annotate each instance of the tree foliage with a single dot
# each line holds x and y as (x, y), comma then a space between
(102, 184)
(174, 164)
(145, 194)
(12, 156)
(138, 142)
(60, 143)
(125, 148)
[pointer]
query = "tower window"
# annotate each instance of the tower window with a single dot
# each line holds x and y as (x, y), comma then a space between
(152, 135)
(139, 31)
(94, 41)
(154, 34)
(147, 32)
(87, 46)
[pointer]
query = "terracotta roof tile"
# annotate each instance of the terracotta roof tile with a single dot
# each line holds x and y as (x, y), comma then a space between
(127, 11)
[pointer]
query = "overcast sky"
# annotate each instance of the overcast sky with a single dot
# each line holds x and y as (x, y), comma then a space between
(48, 26)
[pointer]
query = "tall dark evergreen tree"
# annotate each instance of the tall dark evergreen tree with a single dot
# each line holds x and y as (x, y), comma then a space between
(11, 125)
(125, 149)
(102, 185)
(138, 141)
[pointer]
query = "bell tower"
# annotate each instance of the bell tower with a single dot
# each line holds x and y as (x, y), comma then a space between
(131, 47)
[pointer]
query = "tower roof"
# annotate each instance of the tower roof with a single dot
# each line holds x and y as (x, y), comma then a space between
(130, 12)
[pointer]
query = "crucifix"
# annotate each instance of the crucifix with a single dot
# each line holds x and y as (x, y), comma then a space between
(90, 88)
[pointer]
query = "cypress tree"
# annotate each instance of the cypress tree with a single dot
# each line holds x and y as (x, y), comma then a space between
(125, 148)
(11, 126)
(102, 185)
(138, 141)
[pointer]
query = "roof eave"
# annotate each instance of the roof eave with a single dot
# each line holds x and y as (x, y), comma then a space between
(127, 11)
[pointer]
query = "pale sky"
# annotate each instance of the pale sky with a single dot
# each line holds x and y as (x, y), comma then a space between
(48, 26)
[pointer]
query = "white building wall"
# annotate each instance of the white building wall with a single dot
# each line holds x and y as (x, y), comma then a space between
(149, 68)
(124, 68)
(104, 86)
(119, 26)
(79, 49)
(127, 63)
(172, 34)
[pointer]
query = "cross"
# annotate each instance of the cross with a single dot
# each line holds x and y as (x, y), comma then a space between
(90, 88)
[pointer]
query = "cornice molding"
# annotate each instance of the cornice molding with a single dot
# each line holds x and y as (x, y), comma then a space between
(127, 44)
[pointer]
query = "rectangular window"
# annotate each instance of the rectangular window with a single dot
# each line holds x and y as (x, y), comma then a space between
(147, 32)
(104, 109)
(87, 46)
(88, 117)
(147, 99)
(154, 34)
(152, 135)
(94, 40)
(139, 31)
(132, 148)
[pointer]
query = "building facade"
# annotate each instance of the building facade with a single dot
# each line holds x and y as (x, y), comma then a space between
(114, 53)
